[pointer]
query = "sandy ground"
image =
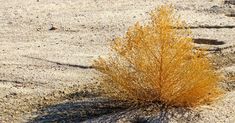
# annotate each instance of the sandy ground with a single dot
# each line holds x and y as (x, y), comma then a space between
(44, 71)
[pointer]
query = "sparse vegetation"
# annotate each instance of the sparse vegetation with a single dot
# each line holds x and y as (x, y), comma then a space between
(156, 62)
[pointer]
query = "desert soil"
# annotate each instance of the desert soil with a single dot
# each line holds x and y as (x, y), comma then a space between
(47, 48)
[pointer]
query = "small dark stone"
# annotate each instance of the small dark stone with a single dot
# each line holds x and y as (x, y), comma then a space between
(13, 94)
(53, 28)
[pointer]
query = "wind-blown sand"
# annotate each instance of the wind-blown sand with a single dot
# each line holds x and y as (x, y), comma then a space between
(44, 70)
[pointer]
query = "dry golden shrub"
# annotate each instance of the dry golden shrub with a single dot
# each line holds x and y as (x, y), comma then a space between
(156, 62)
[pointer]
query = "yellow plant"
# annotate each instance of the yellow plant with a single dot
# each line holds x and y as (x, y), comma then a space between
(156, 62)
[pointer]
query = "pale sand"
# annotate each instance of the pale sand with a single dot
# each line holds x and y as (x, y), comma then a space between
(36, 61)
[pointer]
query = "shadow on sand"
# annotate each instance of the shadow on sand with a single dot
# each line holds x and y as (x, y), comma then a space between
(88, 107)
(78, 107)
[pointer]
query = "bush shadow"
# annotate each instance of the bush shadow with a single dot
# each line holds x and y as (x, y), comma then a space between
(86, 106)
(78, 107)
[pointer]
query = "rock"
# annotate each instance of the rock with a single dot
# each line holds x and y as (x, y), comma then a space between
(53, 27)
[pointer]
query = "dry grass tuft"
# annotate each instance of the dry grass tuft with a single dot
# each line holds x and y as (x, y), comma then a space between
(156, 63)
